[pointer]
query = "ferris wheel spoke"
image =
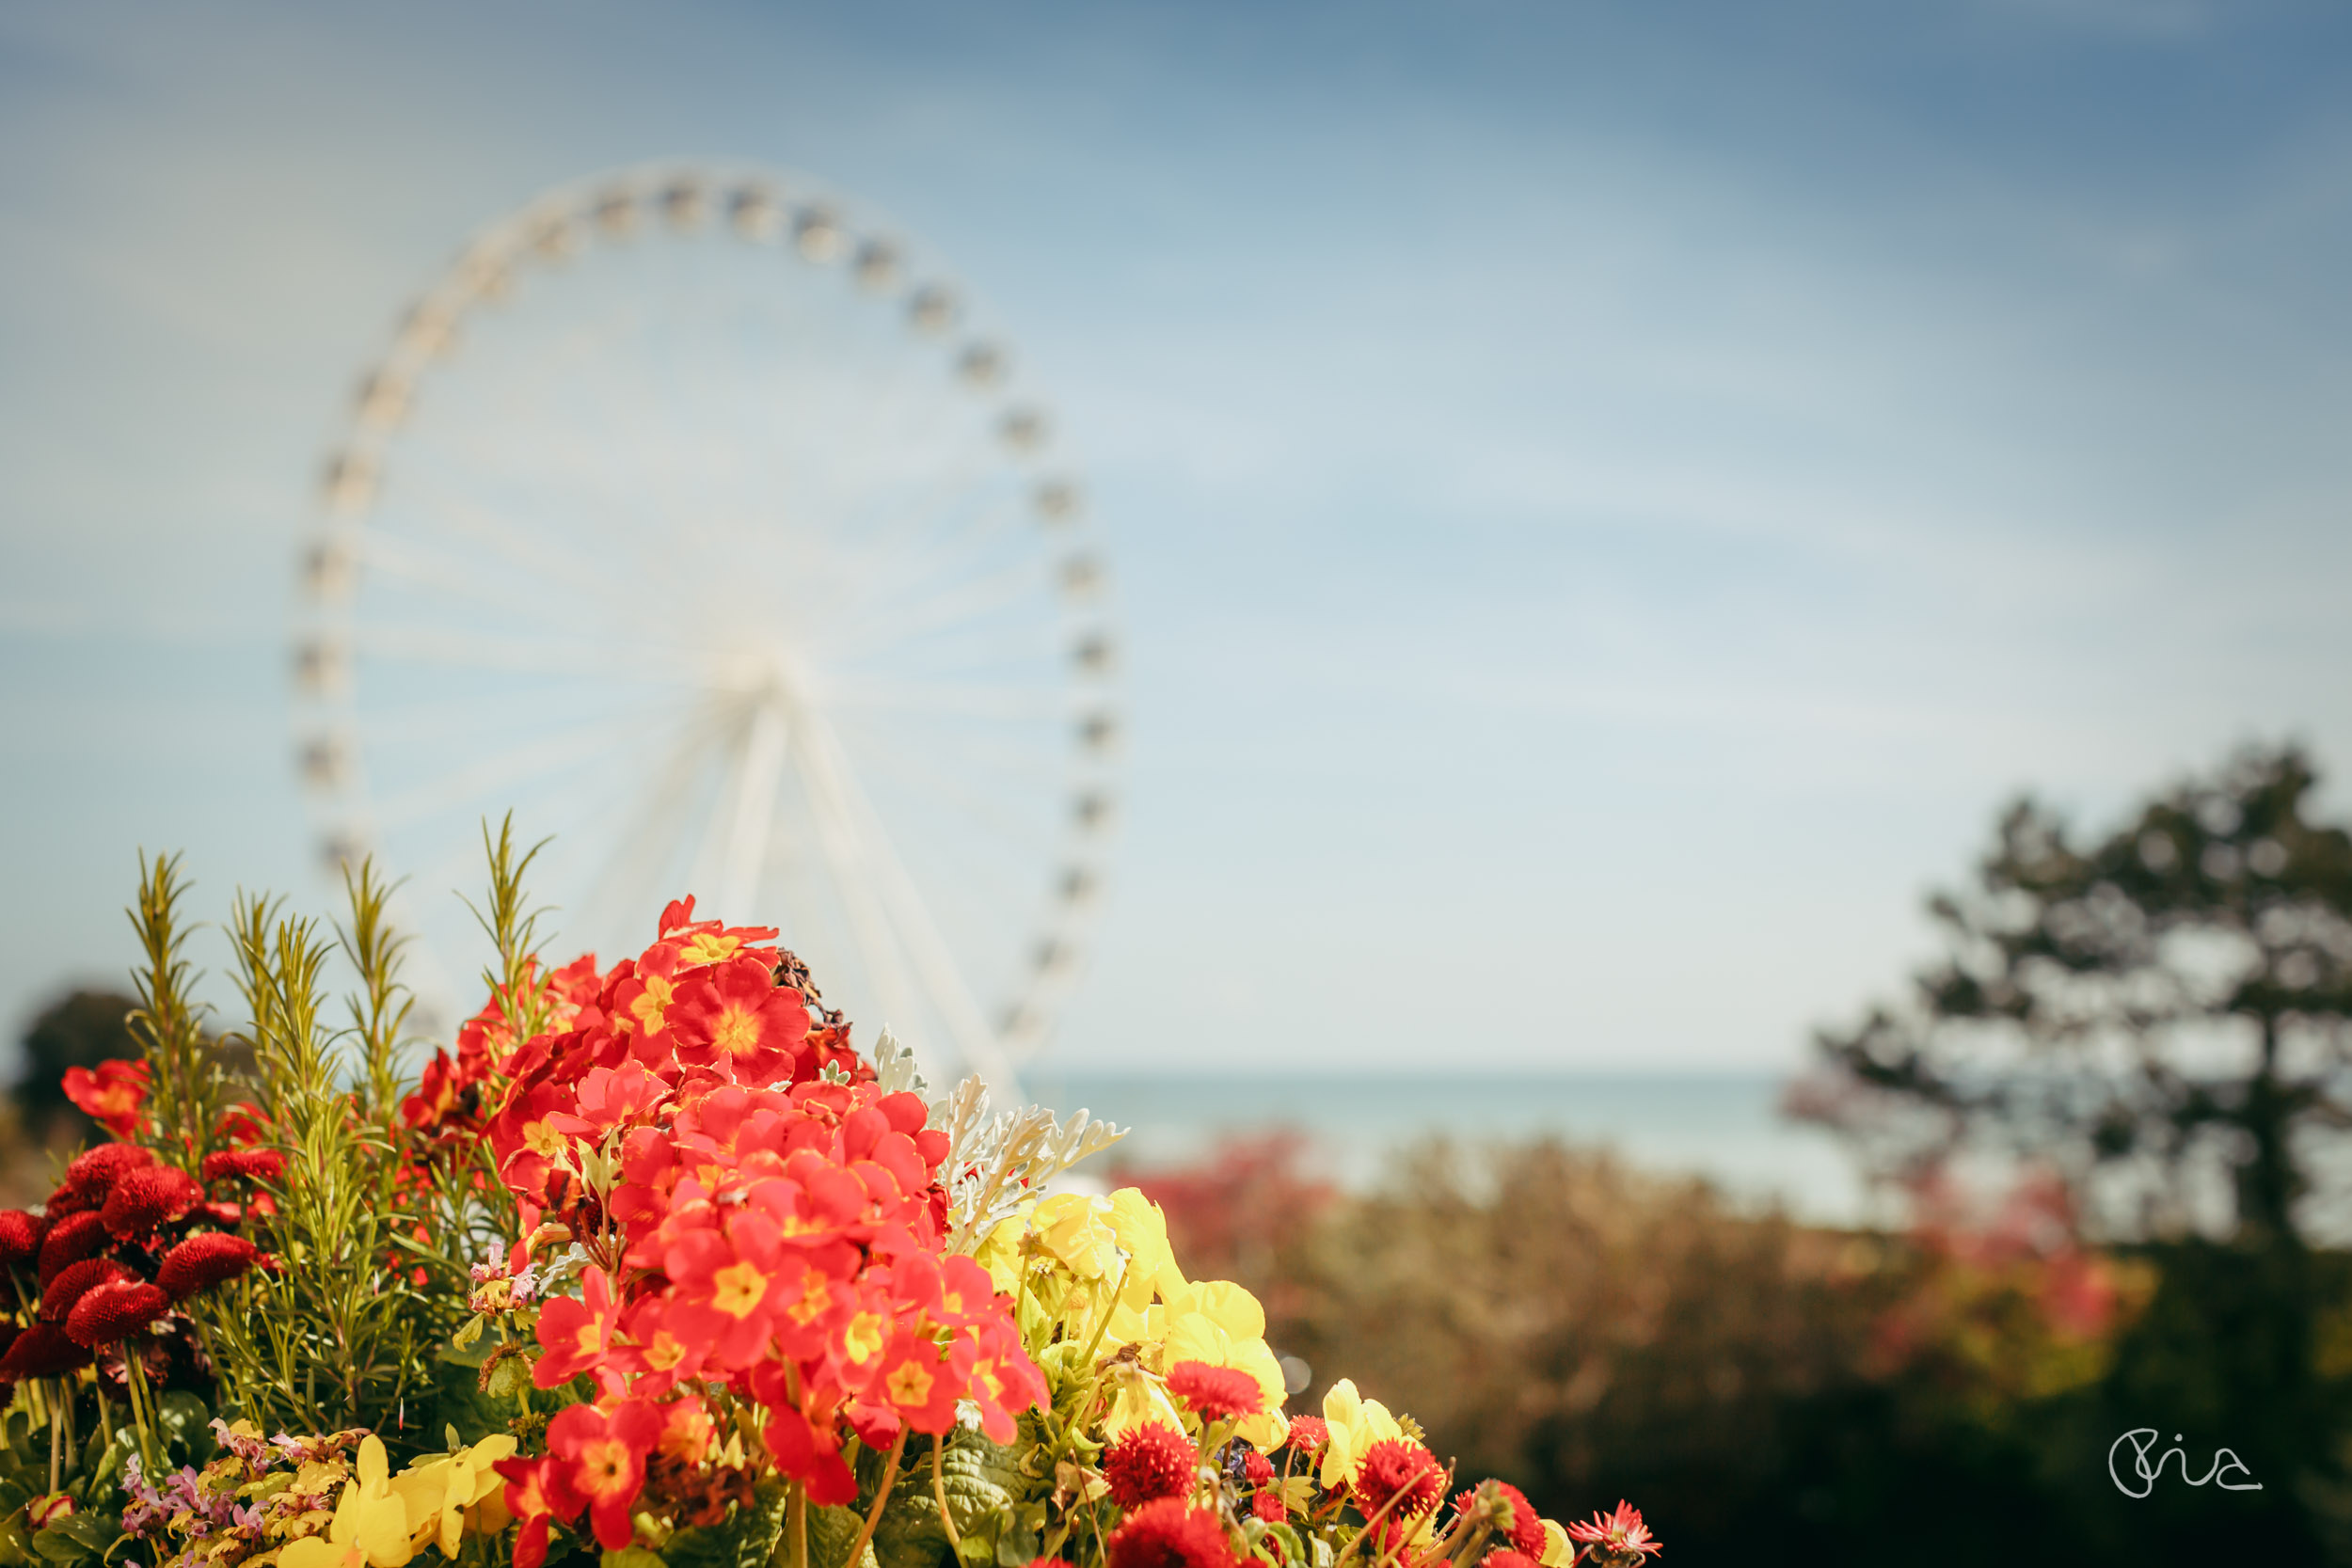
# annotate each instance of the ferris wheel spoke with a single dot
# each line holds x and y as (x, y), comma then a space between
(414, 561)
(873, 693)
(490, 774)
(935, 531)
(538, 561)
(950, 608)
(480, 650)
(943, 785)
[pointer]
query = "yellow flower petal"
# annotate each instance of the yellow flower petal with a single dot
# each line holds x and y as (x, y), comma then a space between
(1136, 1398)
(1356, 1423)
(314, 1552)
(376, 1468)
(1558, 1548)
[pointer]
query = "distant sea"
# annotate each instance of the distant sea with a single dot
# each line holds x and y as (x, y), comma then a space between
(1727, 1127)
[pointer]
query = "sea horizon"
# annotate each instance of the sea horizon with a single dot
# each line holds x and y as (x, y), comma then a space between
(1723, 1125)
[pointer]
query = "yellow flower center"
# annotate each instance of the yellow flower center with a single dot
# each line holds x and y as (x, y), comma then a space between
(738, 1033)
(908, 1384)
(816, 1295)
(649, 1009)
(736, 1289)
(864, 1340)
(604, 1466)
(543, 1140)
(709, 947)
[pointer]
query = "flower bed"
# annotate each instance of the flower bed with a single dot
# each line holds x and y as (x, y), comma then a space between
(655, 1265)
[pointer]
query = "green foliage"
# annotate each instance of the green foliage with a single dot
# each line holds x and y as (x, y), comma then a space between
(830, 1534)
(188, 1082)
(335, 1337)
(746, 1540)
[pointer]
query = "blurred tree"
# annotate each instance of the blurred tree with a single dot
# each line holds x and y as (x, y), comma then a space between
(2164, 1013)
(80, 1029)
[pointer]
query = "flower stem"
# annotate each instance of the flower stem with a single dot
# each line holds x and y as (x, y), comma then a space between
(881, 1495)
(135, 1380)
(939, 1495)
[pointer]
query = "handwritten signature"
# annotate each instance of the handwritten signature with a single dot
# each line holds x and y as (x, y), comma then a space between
(2141, 1439)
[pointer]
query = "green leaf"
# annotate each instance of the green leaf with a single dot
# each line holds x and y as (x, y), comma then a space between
(56, 1547)
(186, 1423)
(829, 1532)
(460, 1402)
(633, 1557)
(744, 1541)
(510, 1377)
(77, 1536)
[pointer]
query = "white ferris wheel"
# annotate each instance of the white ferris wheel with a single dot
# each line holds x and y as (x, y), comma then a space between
(710, 528)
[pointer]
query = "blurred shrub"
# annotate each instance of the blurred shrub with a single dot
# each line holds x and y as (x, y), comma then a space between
(82, 1028)
(1766, 1392)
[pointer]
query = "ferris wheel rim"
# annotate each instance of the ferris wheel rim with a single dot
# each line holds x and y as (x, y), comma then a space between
(766, 205)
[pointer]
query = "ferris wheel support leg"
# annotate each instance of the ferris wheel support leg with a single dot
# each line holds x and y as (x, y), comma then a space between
(982, 1050)
(756, 777)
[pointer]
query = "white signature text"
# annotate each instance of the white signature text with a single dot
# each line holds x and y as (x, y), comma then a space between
(2140, 1439)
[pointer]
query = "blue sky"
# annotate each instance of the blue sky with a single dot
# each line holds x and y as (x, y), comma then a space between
(1608, 499)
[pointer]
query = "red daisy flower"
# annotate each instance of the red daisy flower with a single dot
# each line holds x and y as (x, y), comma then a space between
(43, 1350)
(69, 1241)
(1169, 1534)
(20, 1237)
(203, 1261)
(1149, 1462)
(113, 1311)
(244, 1164)
(145, 1199)
(92, 1176)
(1310, 1434)
(1255, 1467)
(71, 1283)
(1619, 1533)
(1267, 1505)
(1506, 1557)
(1401, 1468)
(1215, 1393)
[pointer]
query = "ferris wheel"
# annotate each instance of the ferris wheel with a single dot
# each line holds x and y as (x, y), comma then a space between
(710, 528)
